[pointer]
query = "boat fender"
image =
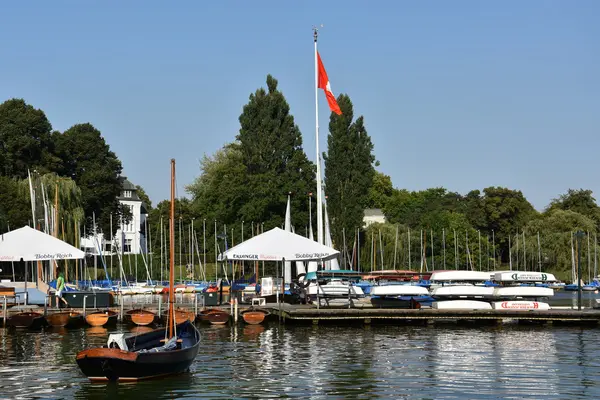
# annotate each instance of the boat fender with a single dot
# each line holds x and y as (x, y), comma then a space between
(302, 282)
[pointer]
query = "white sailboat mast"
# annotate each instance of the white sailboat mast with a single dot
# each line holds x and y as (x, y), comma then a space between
(318, 159)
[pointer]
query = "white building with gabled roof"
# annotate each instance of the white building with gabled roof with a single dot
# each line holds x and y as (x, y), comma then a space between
(129, 235)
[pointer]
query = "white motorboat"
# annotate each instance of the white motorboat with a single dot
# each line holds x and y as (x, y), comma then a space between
(462, 292)
(458, 277)
(461, 305)
(398, 290)
(519, 292)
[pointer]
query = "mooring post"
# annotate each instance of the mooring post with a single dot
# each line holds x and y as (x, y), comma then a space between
(95, 303)
(349, 286)
(84, 301)
(318, 299)
(46, 306)
(159, 306)
(121, 313)
(4, 311)
(196, 305)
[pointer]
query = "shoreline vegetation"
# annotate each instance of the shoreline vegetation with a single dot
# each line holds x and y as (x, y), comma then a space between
(241, 190)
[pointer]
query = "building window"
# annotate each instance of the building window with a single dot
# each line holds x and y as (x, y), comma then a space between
(126, 193)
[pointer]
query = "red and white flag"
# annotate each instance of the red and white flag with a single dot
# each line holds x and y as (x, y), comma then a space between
(326, 86)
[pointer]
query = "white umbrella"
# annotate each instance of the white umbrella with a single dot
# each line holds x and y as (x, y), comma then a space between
(278, 245)
(29, 244)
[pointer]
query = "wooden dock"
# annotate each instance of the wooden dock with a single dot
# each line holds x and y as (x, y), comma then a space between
(310, 314)
(291, 314)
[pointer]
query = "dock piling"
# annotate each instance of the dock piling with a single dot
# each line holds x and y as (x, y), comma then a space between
(84, 301)
(159, 306)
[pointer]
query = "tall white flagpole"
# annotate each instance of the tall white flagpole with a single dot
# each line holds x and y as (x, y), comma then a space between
(319, 194)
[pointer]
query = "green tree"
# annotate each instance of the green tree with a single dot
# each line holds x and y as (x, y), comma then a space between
(25, 140)
(271, 151)
(381, 191)
(88, 160)
(15, 208)
(554, 253)
(581, 201)
(349, 170)
(220, 191)
(412, 208)
(506, 212)
(144, 197)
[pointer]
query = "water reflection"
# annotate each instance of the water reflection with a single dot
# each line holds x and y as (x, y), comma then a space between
(318, 362)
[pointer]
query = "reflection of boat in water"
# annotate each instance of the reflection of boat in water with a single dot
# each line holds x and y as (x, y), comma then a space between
(136, 330)
(147, 355)
(65, 318)
(29, 320)
(101, 318)
(253, 331)
(96, 331)
(141, 317)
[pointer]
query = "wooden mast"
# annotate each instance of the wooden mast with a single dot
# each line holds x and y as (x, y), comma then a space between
(172, 251)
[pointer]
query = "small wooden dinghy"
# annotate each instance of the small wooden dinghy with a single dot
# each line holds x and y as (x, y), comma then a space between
(101, 318)
(215, 316)
(30, 320)
(141, 317)
(141, 356)
(254, 316)
(64, 319)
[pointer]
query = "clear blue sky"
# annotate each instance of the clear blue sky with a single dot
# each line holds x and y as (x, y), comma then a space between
(461, 94)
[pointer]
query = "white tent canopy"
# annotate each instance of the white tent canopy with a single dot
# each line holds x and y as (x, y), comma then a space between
(278, 245)
(29, 244)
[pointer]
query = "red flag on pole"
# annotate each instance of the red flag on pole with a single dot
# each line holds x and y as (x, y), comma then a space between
(324, 84)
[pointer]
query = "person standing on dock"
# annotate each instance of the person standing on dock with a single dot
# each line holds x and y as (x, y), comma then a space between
(60, 286)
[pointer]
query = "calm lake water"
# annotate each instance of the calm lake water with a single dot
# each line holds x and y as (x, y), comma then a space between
(442, 361)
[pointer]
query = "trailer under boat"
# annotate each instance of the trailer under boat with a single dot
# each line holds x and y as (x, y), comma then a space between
(139, 357)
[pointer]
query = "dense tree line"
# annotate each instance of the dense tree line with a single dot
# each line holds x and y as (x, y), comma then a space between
(243, 188)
